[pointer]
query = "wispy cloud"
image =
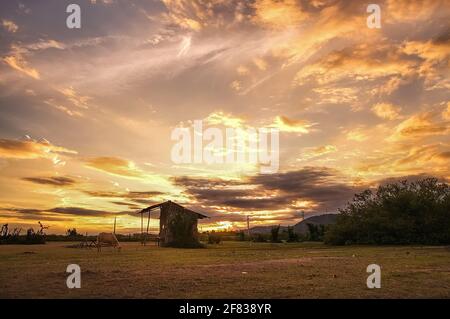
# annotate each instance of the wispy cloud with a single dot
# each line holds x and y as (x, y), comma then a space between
(10, 26)
(30, 149)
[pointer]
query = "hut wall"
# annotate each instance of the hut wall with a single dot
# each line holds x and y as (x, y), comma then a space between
(186, 225)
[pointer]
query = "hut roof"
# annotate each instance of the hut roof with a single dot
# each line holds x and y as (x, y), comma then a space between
(146, 210)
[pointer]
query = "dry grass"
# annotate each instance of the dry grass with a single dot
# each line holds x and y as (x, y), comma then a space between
(229, 270)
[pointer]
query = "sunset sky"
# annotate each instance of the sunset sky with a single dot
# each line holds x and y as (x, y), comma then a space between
(86, 114)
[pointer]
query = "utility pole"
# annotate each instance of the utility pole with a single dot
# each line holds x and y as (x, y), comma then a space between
(114, 231)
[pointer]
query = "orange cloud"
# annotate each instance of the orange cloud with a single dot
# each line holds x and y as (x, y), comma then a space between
(420, 125)
(357, 135)
(18, 62)
(10, 26)
(413, 11)
(30, 149)
(224, 119)
(360, 63)
(278, 14)
(313, 152)
(79, 101)
(192, 14)
(285, 124)
(115, 166)
(386, 111)
(446, 113)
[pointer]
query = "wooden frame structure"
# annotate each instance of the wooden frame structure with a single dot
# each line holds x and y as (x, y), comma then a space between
(168, 211)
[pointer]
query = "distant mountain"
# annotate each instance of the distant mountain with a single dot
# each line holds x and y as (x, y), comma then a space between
(301, 227)
(264, 229)
(326, 219)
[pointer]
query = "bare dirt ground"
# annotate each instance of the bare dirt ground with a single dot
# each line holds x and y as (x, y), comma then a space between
(228, 270)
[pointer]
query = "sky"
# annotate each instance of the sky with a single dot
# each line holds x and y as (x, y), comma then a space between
(86, 115)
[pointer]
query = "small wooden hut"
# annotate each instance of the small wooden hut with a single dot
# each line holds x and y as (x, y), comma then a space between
(177, 224)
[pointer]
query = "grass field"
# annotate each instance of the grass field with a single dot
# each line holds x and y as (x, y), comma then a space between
(228, 270)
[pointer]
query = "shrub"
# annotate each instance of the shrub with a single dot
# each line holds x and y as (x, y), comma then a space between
(213, 238)
(259, 238)
(181, 227)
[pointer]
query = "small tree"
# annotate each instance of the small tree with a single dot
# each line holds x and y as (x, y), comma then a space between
(241, 236)
(274, 232)
(292, 236)
(315, 232)
(72, 232)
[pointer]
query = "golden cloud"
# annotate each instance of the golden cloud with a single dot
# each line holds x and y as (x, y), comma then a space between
(446, 112)
(63, 108)
(386, 111)
(278, 14)
(420, 125)
(124, 168)
(260, 63)
(236, 85)
(313, 152)
(285, 124)
(413, 11)
(196, 14)
(411, 159)
(435, 61)
(16, 58)
(115, 166)
(337, 95)
(357, 135)
(242, 70)
(76, 99)
(30, 149)
(19, 63)
(10, 26)
(224, 119)
(360, 63)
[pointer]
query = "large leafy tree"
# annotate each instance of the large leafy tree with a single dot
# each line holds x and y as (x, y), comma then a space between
(396, 213)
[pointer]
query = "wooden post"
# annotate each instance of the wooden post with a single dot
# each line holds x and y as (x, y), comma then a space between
(142, 227)
(114, 231)
(248, 226)
(148, 225)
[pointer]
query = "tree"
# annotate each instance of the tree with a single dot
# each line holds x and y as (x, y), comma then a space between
(292, 236)
(274, 232)
(397, 213)
(72, 232)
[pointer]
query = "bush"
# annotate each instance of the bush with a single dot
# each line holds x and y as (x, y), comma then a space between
(259, 238)
(213, 238)
(33, 238)
(397, 213)
(181, 227)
